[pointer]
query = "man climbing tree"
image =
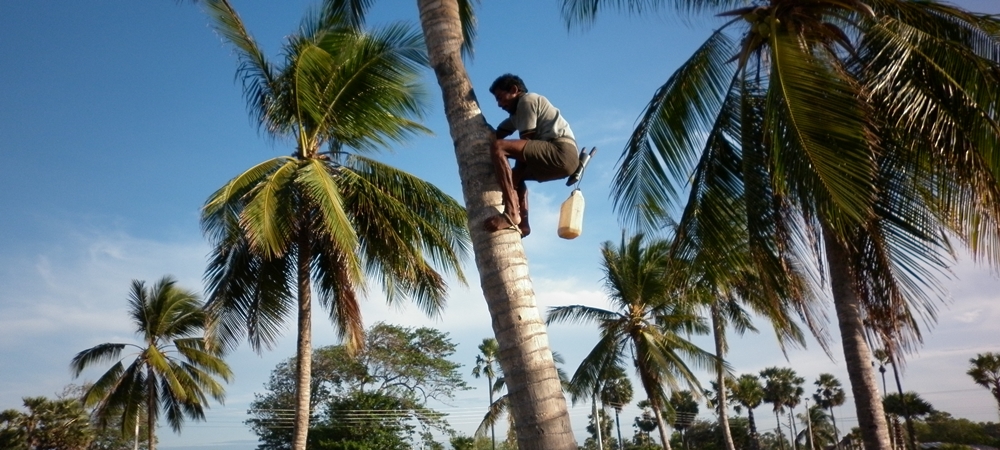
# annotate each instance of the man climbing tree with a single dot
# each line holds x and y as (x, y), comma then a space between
(545, 151)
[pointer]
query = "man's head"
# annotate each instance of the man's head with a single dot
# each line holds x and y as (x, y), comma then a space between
(507, 89)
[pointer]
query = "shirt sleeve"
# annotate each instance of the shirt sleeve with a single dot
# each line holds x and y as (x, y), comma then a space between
(507, 125)
(527, 113)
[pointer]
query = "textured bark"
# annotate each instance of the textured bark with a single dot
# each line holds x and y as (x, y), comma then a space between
(857, 355)
(536, 400)
(662, 428)
(720, 377)
(303, 353)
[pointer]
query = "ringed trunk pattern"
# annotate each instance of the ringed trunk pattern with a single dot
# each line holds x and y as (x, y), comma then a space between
(661, 427)
(857, 355)
(536, 400)
(303, 354)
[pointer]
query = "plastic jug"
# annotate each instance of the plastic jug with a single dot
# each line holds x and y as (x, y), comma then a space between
(571, 216)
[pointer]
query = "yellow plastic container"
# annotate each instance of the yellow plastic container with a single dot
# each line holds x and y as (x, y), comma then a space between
(571, 216)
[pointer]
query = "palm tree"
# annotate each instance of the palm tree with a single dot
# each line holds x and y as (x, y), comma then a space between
(175, 367)
(782, 389)
(748, 392)
(867, 127)
(910, 401)
(616, 393)
(326, 219)
(648, 322)
(829, 394)
(685, 409)
(818, 431)
(729, 290)
(985, 371)
(486, 366)
(537, 401)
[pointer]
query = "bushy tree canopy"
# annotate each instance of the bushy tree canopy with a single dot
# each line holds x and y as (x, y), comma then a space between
(375, 398)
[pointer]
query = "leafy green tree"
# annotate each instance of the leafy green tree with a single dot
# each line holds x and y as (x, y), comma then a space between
(648, 322)
(985, 371)
(708, 435)
(942, 427)
(364, 420)
(109, 437)
(392, 376)
(321, 217)
(488, 366)
(46, 424)
(867, 127)
(749, 393)
(828, 395)
(174, 367)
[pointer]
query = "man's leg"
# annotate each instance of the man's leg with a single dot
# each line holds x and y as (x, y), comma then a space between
(500, 151)
(521, 188)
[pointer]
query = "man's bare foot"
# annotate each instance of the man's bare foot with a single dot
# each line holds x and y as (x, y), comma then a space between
(501, 222)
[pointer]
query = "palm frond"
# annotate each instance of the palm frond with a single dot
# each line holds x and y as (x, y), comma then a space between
(662, 150)
(96, 355)
(257, 75)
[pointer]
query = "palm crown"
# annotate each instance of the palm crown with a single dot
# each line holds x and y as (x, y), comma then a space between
(323, 217)
(174, 369)
(867, 126)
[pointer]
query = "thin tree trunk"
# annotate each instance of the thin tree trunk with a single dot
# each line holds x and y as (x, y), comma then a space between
(912, 441)
(661, 427)
(794, 432)
(493, 428)
(597, 422)
(857, 355)
(303, 354)
(809, 428)
(151, 408)
(720, 377)
(754, 437)
(137, 429)
(535, 394)
(781, 437)
(836, 436)
(618, 426)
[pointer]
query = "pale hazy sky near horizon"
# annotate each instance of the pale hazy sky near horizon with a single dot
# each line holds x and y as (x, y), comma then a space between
(118, 119)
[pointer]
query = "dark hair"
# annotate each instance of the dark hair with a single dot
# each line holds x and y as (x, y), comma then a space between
(507, 81)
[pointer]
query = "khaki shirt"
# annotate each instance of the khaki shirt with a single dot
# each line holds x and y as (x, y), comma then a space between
(535, 113)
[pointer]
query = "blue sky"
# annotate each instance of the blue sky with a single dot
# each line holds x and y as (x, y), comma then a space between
(118, 119)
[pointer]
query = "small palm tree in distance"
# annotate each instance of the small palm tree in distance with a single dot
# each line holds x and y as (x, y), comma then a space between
(174, 367)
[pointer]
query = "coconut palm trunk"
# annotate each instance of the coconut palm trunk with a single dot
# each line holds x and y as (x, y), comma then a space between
(303, 355)
(661, 426)
(151, 409)
(536, 400)
(857, 355)
(718, 332)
